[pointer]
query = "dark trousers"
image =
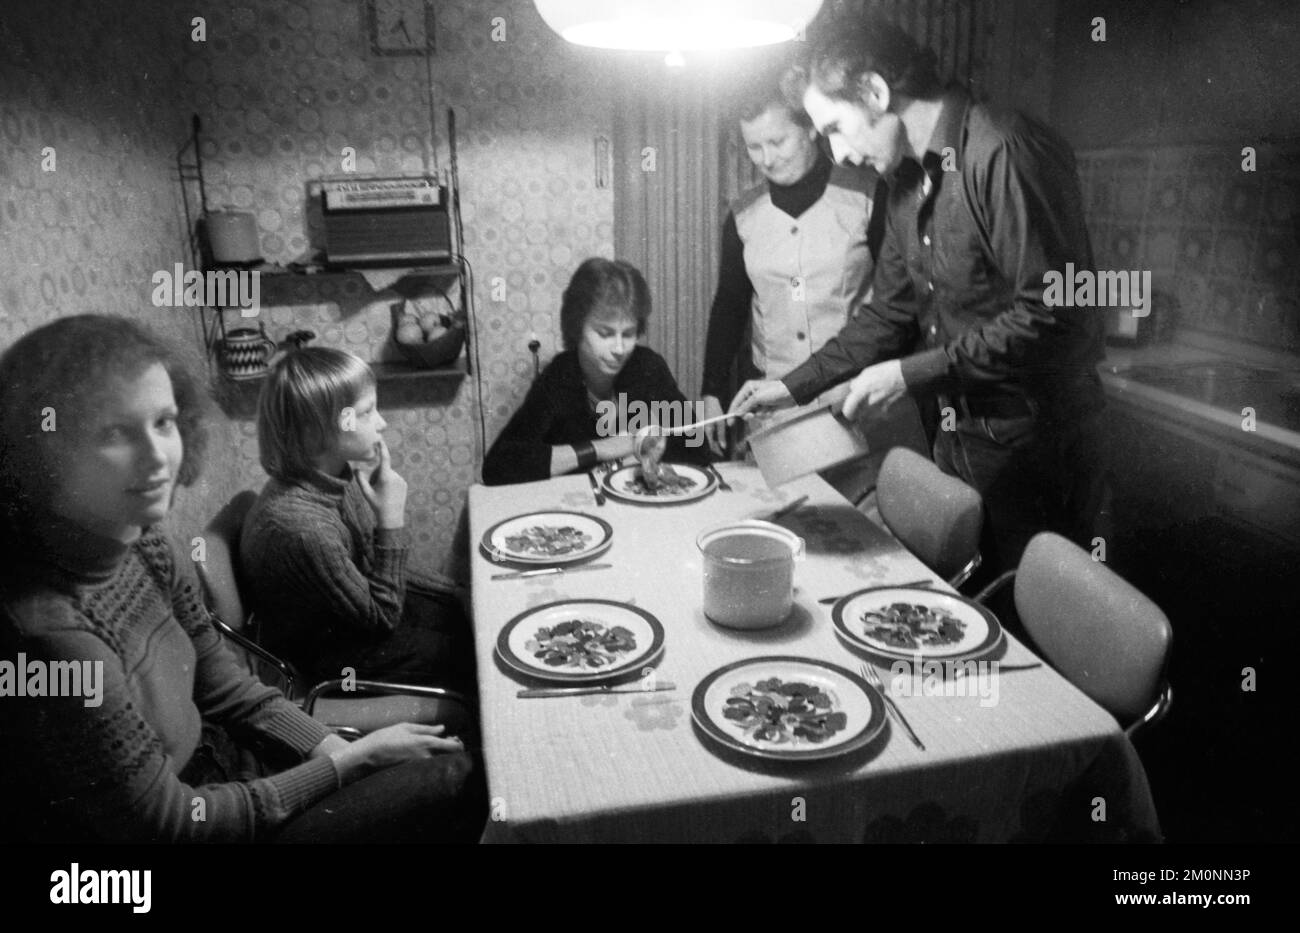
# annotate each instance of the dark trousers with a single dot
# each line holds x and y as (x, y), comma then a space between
(439, 799)
(1034, 472)
(433, 644)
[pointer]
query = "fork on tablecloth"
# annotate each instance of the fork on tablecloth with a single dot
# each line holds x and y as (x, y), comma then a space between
(869, 674)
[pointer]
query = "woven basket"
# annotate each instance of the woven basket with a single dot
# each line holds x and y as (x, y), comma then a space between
(440, 351)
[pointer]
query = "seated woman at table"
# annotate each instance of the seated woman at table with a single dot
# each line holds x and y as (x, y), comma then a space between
(324, 549)
(164, 736)
(575, 414)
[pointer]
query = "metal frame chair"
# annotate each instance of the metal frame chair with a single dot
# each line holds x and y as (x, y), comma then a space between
(936, 516)
(1094, 627)
(365, 705)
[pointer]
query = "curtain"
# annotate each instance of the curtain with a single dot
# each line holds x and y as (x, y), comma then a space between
(668, 207)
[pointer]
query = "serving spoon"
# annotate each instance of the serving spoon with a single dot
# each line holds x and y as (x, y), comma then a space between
(687, 428)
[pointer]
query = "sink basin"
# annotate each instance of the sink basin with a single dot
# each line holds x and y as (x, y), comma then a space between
(1274, 394)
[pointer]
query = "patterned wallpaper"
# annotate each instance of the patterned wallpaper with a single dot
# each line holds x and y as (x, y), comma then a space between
(87, 236)
(1223, 242)
(282, 88)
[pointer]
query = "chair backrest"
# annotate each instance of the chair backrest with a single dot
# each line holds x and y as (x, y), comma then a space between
(218, 570)
(936, 516)
(1093, 626)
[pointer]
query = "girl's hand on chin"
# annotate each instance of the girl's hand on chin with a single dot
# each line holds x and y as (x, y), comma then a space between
(384, 489)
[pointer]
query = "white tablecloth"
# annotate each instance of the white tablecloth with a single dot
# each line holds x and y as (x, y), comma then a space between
(1043, 761)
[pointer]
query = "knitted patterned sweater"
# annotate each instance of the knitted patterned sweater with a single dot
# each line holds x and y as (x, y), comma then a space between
(111, 771)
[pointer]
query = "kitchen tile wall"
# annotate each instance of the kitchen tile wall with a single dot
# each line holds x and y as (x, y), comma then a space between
(1225, 243)
(282, 87)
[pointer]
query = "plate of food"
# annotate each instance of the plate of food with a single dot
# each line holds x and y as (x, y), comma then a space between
(788, 709)
(663, 484)
(553, 537)
(914, 622)
(581, 641)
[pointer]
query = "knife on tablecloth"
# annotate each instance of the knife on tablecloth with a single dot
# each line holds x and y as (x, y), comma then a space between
(580, 691)
(545, 571)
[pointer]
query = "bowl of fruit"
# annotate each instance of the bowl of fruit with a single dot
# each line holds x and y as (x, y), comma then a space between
(427, 339)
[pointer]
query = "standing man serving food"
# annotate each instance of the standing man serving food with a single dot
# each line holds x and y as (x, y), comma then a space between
(797, 256)
(982, 204)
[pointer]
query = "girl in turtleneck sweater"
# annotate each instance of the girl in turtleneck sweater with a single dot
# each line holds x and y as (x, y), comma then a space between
(98, 426)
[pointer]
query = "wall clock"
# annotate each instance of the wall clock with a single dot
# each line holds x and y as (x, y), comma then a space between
(400, 27)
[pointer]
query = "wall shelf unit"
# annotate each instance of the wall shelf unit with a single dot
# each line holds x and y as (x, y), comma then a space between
(316, 281)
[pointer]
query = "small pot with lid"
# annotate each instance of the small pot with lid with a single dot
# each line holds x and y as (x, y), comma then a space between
(749, 573)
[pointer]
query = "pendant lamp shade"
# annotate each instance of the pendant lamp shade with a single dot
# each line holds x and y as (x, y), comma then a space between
(677, 25)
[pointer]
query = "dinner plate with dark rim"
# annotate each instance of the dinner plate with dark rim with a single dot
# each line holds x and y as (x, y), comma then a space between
(980, 633)
(621, 484)
(596, 537)
(786, 708)
(530, 645)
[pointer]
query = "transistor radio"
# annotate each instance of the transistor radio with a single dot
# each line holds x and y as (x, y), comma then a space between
(386, 220)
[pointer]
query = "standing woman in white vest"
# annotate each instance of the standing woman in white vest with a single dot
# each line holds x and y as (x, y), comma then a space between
(795, 257)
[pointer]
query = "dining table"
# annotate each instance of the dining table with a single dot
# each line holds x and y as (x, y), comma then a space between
(1021, 755)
